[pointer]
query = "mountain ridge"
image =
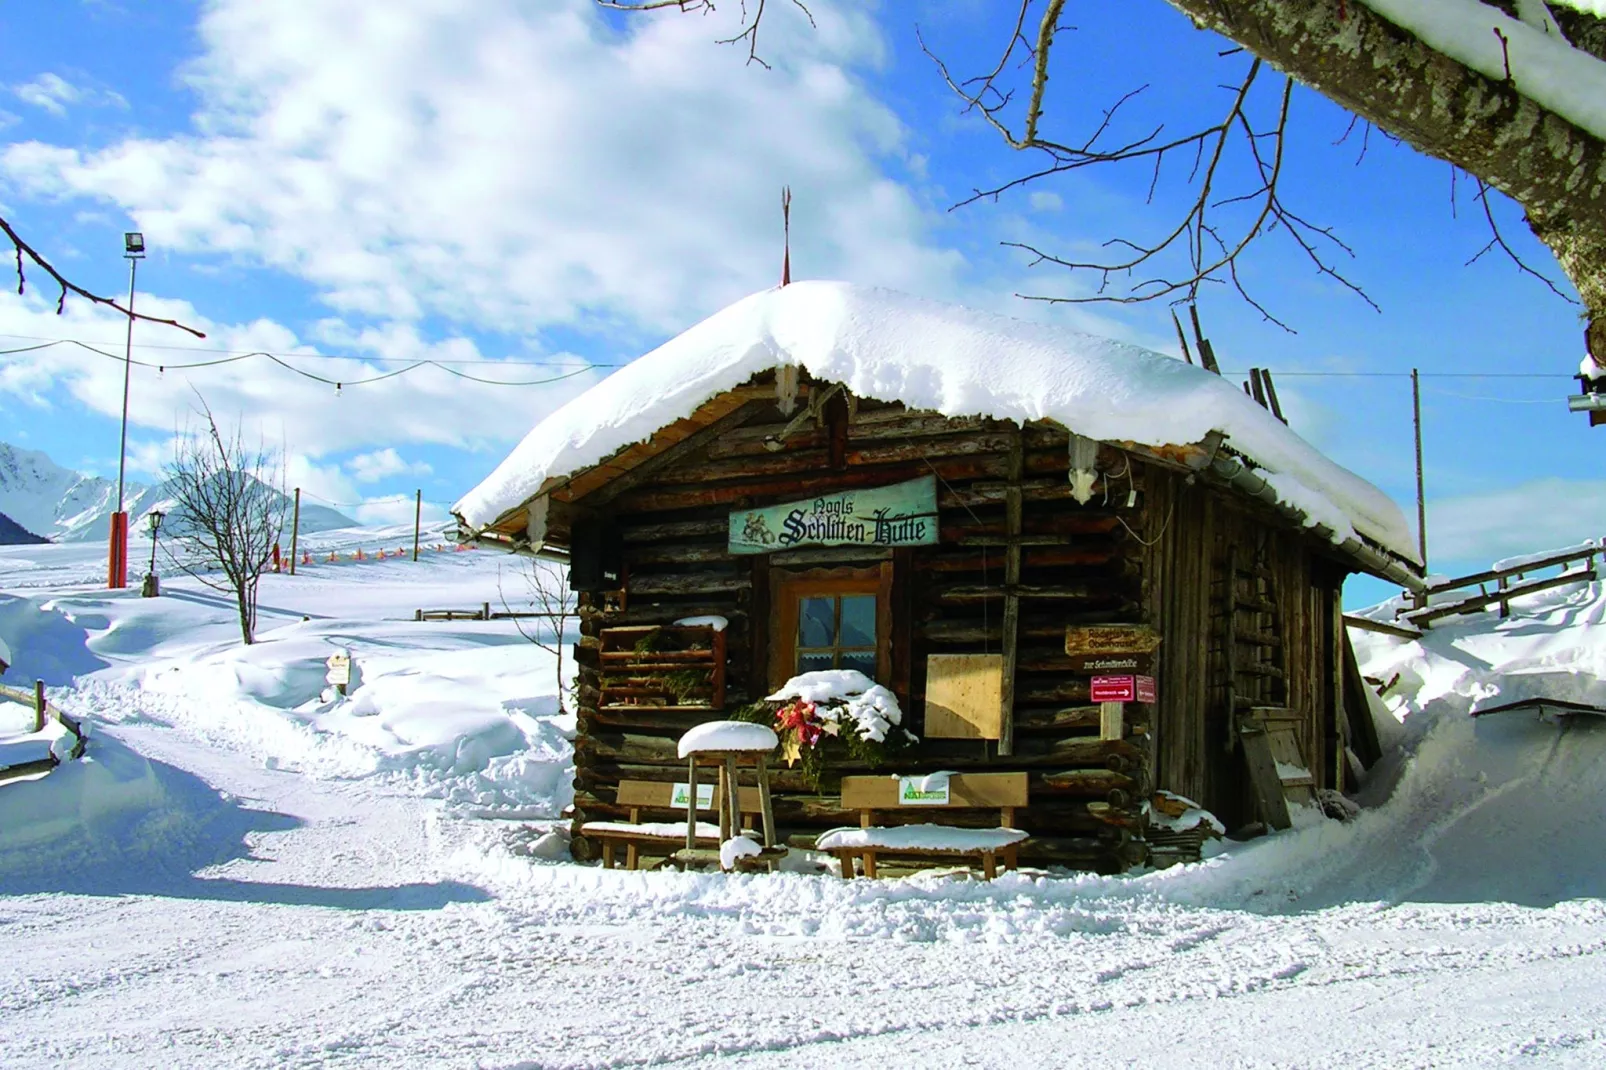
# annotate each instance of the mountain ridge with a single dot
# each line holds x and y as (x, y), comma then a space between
(58, 504)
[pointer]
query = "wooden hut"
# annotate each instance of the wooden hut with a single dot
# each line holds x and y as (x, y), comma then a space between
(983, 515)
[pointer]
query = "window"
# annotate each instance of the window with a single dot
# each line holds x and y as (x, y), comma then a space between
(830, 619)
(837, 631)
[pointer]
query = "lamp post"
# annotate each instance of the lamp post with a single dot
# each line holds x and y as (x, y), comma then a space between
(152, 586)
(117, 557)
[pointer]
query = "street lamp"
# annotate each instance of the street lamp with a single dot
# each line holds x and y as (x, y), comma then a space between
(117, 556)
(152, 586)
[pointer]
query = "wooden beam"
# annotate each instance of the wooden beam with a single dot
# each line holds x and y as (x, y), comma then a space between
(1012, 556)
(645, 470)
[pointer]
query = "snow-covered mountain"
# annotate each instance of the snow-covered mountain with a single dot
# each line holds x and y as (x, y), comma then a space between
(14, 534)
(67, 506)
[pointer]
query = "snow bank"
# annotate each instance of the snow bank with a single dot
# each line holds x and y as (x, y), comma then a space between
(953, 360)
(108, 803)
(462, 711)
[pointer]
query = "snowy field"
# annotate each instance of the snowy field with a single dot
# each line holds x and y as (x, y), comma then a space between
(247, 872)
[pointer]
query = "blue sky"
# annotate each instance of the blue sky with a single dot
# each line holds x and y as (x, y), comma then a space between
(522, 189)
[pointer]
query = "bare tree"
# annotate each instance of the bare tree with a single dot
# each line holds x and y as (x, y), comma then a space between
(1484, 117)
(229, 513)
(554, 605)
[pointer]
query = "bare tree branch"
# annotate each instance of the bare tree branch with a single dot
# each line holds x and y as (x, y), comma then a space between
(554, 603)
(67, 286)
(226, 514)
(1209, 257)
(1498, 241)
(749, 26)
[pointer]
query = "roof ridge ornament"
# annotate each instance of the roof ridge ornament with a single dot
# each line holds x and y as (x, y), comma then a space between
(786, 235)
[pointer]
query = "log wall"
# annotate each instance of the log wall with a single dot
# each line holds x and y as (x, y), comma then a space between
(1087, 564)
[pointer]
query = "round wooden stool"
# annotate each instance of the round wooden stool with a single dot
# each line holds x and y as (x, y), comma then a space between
(728, 745)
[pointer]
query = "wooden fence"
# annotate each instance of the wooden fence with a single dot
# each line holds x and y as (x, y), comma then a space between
(1510, 582)
(43, 710)
(484, 612)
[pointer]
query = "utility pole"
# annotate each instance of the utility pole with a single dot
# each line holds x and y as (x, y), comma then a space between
(1421, 499)
(295, 530)
(418, 516)
(117, 556)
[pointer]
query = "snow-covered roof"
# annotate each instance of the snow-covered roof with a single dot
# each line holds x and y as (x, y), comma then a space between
(953, 360)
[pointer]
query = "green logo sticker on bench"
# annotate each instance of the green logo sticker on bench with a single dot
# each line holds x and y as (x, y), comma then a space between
(680, 796)
(913, 791)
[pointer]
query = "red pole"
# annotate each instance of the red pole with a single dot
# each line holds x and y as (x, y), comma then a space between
(117, 553)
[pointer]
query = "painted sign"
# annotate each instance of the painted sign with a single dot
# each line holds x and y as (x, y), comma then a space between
(1114, 689)
(1112, 663)
(903, 514)
(1128, 647)
(680, 797)
(922, 791)
(1122, 689)
(339, 664)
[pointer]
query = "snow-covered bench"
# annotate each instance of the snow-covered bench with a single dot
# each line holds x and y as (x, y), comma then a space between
(928, 841)
(660, 837)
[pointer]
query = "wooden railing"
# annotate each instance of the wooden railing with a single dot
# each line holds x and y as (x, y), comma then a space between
(1423, 613)
(483, 613)
(44, 710)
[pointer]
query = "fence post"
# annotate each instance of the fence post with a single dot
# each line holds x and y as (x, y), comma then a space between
(38, 705)
(485, 611)
(1505, 603)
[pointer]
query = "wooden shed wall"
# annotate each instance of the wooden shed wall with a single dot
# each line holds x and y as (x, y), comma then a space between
(1147, 548)
(1186, 600)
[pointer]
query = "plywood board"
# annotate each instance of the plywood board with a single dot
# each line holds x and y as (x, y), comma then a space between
(964, 696)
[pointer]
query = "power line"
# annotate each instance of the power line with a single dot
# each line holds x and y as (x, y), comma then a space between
(336, 383)
(309, 356)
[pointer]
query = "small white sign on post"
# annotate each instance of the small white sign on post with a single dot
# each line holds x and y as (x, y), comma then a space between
(922, 791)
(339, 673)
(680, 797)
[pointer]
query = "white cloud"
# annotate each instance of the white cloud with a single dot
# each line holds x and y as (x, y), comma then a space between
(1044, 201)
(382, 464)
(307, 419)
(518, 165)
(54, 93)
(1501, 523)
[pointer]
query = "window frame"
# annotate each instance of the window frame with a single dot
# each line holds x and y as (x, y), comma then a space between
(788, 589)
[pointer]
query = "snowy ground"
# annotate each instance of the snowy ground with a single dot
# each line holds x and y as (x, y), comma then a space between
(245, 874)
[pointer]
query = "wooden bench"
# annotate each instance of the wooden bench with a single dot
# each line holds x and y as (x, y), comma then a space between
(660, 838)
(929, 841)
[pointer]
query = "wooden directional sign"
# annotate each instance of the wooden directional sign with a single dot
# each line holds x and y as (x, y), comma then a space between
(1122, 689)
(1111, 648)
(1114, 689)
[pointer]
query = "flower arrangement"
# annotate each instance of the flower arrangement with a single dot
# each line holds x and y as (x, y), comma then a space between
(839, 710)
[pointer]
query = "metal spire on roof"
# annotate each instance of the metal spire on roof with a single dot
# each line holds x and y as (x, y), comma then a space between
(786, 229)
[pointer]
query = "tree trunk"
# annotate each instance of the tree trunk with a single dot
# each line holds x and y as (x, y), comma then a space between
(1347, 52)
(246, 628)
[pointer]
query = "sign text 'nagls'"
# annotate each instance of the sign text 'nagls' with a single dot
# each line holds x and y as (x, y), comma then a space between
(903, 514)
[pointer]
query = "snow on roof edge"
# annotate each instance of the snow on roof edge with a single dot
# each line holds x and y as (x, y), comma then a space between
(957, 361)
